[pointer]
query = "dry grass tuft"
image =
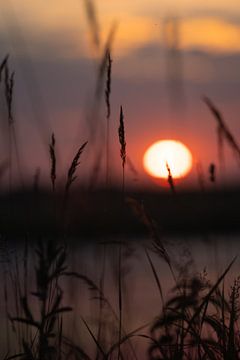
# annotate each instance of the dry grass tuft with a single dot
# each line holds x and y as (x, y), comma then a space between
(51, 263)
(72, 170)
(108, 105)
(121, 135)
(9, 85)
(108, 83)
(223, 129)
(212, 172)
(3, 65)
(104, 63)
(93, 22)
(157, 243)
(170, 179)
(53, 160)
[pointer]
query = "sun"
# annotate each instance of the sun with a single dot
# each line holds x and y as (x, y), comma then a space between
(165, 154)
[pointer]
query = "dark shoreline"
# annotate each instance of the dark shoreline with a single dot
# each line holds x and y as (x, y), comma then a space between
(100, 213)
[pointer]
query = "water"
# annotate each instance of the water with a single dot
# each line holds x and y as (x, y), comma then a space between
(99, 261)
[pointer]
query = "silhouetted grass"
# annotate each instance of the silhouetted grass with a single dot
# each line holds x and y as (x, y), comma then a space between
(170, 179)
(223, 129)
(108, 105)
(53, 161)
(196, 321)
(122, 141)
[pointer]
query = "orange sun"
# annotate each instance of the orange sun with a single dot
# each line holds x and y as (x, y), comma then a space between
(167, 153)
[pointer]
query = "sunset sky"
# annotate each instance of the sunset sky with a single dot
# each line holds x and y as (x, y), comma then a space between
(166, 56)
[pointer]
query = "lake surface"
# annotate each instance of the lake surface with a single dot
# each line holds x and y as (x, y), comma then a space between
(99, 261)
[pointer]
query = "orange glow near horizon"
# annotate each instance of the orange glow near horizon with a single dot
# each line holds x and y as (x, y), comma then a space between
(167, 152)
(211, 34)
(66, 29)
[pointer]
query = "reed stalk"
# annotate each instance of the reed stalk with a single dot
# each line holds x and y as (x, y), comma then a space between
(122, 141)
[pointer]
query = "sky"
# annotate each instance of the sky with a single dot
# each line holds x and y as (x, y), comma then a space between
(166, 56)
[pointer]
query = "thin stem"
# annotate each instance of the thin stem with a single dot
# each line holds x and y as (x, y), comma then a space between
(120, 300)
(107, 152)
(123, 182)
